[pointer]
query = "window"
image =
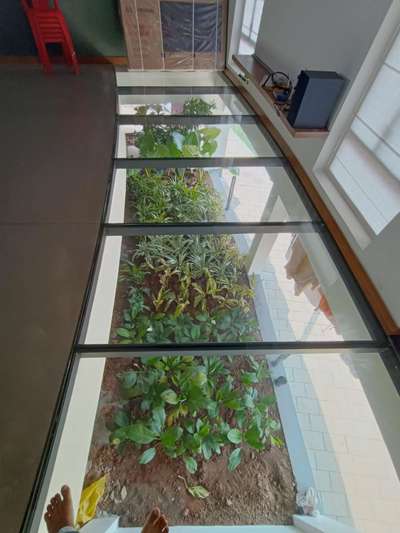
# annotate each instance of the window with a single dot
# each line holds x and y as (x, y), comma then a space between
(252, 13)
(366, 165)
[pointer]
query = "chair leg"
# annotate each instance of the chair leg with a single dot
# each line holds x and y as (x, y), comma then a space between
(69, 45)
(44, 56)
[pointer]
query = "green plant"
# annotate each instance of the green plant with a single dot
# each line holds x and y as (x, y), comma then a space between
(174, 195)
(191, 408)
(170, 141)
(150, 109)
(198, 106)
(195, 289)
(178, 141)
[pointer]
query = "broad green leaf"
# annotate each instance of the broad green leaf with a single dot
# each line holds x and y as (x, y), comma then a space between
(123, 332)
(210, 133)
(209, 147)
(147, 456)
(252, 437)
(198, 492)
(235, 436)
(234, 459)
(121, 418)
(139, 433)
(128, 379)
(170, 397)
(171, 435)
(118, 436)
(191, 464)
(207, 451)
(199, 378)
(213, 409)
(202, 317)
(234, 404)
(159, 418)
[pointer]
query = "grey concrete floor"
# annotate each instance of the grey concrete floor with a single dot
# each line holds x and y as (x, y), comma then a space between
(56, 139)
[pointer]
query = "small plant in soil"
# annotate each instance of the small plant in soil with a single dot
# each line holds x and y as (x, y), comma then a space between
(190, 408)
(193, 288)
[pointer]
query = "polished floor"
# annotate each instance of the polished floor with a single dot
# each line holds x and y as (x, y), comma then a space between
(56, 146)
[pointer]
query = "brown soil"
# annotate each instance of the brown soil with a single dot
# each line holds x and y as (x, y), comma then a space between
(260, 491)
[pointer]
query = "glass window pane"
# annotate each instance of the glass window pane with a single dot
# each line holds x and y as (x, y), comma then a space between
(221, 288)
(257, 16)
(206, 140)
(235, 194)
(379, 114)
(182, 104)
(340, 417)
(332, 424)
(248, 12)
(171, 79)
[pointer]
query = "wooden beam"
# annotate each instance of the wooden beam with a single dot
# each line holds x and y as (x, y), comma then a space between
(371, 293)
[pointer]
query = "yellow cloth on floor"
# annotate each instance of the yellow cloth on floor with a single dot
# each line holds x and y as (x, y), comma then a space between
(90, 497)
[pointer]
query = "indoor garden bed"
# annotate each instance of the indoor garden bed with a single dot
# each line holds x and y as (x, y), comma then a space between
(200, 437)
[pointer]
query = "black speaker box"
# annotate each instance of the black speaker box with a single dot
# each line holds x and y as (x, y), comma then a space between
(314, 99)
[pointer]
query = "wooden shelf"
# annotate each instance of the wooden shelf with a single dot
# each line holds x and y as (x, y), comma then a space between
(257, 71)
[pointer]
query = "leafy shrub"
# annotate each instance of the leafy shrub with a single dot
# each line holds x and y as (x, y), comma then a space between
(193, 407)
(174, 195)
(198, 106)
(177, 141)
(194, 288)
(182, 288)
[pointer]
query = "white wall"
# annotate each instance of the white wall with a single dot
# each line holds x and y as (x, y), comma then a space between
(318, 34)
(349, 36)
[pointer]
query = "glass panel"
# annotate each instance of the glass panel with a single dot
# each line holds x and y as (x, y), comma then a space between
(236, 194)
(324, 421)
(221, 288)
(220, 140)
(340, 418)
(171, 79)
(182, 104)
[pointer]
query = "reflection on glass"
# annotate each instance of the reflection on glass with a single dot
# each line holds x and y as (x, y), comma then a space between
(223, 288)
(339, 413)
(222, 140)
(182, 104)
(250, 13)
(235, 194)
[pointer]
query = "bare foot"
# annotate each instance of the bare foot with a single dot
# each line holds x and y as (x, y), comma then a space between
(156, 522)
(59, 511)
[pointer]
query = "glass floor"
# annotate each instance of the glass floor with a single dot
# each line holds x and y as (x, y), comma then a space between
(225, 348)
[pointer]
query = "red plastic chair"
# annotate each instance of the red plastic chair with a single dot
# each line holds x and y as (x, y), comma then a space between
(49, 26)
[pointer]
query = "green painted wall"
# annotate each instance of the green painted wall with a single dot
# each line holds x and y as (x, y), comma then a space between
(95, 27)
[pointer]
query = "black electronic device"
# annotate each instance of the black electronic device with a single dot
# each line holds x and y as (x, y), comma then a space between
(314, 99)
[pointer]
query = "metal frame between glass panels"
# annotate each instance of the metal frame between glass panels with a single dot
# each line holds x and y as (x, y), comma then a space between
(379, 341)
